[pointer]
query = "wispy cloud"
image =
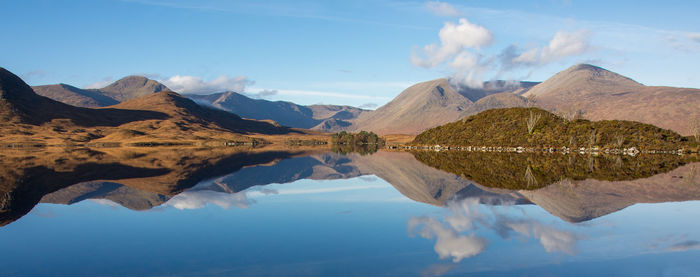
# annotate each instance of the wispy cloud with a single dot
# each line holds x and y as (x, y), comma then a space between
(562, 45)
(100, 84)
(685, 245)
(279, 9)
(293, 92)
(441, 8)
(694, 37)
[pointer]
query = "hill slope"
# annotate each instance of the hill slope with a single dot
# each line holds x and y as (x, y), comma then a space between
(420, 106)
(75, 96)
(509, 127)
(603, 95)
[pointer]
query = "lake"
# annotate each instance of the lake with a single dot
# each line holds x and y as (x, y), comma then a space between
(313, 212)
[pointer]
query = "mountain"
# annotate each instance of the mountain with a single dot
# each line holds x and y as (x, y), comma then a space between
(282, 112)
(164, 116)
(132, 87)
(429, 104)
(581, 90)
(20, 104)
(188, 115)
(126, 88)
(75, 96)
(420, 106)
(599, 94)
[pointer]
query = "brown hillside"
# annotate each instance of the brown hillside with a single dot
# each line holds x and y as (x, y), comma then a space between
(162, 117)
(417, 108)
(603, 95)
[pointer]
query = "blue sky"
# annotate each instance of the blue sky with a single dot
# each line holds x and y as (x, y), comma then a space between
(344, 52)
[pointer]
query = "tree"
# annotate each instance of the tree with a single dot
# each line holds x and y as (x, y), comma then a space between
(532, 121)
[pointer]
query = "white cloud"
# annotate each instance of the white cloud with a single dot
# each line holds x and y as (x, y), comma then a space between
(263, 93)
(552, 239)
(562, 45)
(441, 8)
(464, 217)
(370, 106)
(198, 199)
(194, 84)
(459, 50)
(454, 39)
(449, 243)
(105, 202)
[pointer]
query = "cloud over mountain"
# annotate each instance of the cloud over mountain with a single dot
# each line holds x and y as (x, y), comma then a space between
(463, 51)
(562, 45)
(195, 84)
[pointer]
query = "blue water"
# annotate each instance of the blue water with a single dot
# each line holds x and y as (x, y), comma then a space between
(348, 222)
(354, 227)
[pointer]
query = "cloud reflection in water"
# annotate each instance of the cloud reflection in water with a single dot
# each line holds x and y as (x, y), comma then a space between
(456, 235)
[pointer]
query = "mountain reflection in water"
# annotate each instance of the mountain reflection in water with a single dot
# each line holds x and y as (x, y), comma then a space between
(573, 187)
(485, 198)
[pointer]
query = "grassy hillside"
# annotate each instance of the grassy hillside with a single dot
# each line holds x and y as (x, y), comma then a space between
(509, 127)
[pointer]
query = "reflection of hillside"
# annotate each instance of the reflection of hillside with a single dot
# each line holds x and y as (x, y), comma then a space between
(533, 171)
(574, 188)
(583, 200)
(26, 177)
(128, 197)
(413, 179)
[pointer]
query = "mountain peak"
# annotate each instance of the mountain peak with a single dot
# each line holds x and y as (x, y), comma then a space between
(132, 86)
(584, 66)
(591, 79)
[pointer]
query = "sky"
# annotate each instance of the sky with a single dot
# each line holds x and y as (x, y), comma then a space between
(360, 53)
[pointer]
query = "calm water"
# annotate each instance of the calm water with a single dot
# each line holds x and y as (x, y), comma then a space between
(260, 212)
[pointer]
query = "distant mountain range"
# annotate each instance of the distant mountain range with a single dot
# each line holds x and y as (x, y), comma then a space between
(317, 117)
(156, 117)
(581, 90)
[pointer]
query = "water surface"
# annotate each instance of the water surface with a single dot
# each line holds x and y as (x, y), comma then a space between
(252, 212)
